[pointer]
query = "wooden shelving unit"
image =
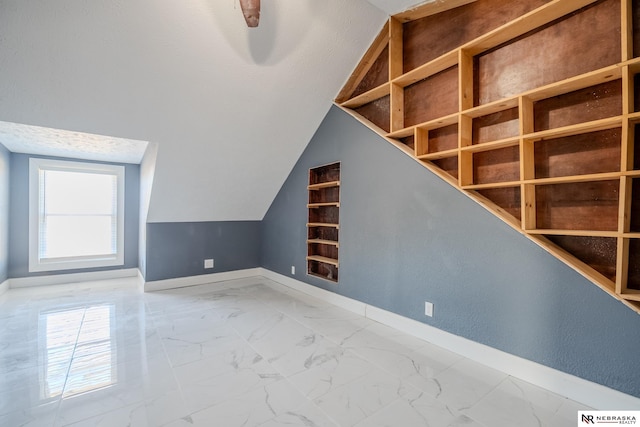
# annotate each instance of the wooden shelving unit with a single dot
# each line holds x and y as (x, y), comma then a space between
(532, 110)
(324, 221)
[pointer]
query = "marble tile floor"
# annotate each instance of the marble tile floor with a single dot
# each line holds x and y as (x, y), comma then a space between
(245, 353)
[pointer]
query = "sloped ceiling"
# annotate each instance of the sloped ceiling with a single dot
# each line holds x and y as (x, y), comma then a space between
(230, 108)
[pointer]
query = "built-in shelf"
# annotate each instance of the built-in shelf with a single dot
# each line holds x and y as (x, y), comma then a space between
(323, 259)
(323, 221)
(548, 152)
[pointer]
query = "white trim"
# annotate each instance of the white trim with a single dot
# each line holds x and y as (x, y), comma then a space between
(575, 388)
(181, 282)
(338, 300)
(59, 279)
(4, 286)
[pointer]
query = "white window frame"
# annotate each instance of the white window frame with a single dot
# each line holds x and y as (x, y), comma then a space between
(36, 264)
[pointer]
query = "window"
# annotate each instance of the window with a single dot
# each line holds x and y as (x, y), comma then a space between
(76, 215)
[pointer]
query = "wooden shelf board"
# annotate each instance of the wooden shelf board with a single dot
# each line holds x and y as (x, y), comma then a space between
(493, 145)
(322, 224)
(439, 155)
(323, 259)
(402, 133)
(441, 63)
(492, 107)
(596, 125)
(525, 23)
(634, 117)
(438, 123)
(320, 185)
(324, 242)
(585, 233)
(630, 295)
(582, 81)
(632, 235)
(319, 205)
(313, 273)
(505, 184)
(367, 97)
(555, 180)
(634, 65)
(574, 178)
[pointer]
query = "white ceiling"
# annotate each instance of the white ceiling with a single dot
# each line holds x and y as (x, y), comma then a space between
(230, 108)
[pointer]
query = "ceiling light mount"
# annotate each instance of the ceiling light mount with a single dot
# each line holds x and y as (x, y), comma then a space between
(251, 12)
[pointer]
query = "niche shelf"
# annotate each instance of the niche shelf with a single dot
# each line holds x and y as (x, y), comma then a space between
(324, 221)
(533, 110)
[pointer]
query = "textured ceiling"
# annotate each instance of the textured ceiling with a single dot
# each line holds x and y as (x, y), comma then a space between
(27, 139)
(230, 109)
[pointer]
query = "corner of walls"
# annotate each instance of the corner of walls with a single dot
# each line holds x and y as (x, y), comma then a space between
(407, 237)
(5, 161)
(147, 172)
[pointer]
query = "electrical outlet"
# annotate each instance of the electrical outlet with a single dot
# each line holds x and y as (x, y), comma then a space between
(428, 308)
(293, 270)
(208, 263)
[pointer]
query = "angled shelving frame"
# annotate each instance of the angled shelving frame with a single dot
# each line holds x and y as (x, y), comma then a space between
(532, 111)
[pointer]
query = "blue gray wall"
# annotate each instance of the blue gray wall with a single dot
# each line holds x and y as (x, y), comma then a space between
(4, 212)
(19, 219)
(178, 249)
(407, 237)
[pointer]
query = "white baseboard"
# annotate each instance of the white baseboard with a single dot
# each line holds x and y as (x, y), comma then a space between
(4, 286)
(58, 279)
(181, 282)
(575, 388)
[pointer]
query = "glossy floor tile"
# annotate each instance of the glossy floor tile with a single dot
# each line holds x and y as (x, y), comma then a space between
(238, 353)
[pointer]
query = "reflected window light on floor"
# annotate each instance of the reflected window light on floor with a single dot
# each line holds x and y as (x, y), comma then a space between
(87, 336)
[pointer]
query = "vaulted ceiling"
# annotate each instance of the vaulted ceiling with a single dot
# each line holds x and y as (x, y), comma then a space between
(229, 108)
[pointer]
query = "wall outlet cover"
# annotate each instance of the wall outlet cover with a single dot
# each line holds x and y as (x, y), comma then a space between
(428, 308)
(208, 263)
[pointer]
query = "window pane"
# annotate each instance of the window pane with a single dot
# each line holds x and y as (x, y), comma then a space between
(79, 193)
(73, 235)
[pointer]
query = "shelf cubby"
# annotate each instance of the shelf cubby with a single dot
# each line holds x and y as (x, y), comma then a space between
(377, 75)
(495, 126)
(634, 210)
(323, 221)
(377, 112)
(449, 165)
(495, 166)
(633, 272)
(478, 18)
(597, 252)
(583, 105)
(506, 198)
(437, 140)
(530, 106)
(431, 97)
(562, 50)
(591, 205)
(574, 155)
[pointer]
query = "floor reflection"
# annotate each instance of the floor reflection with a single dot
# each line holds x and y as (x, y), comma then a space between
(86, 337)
